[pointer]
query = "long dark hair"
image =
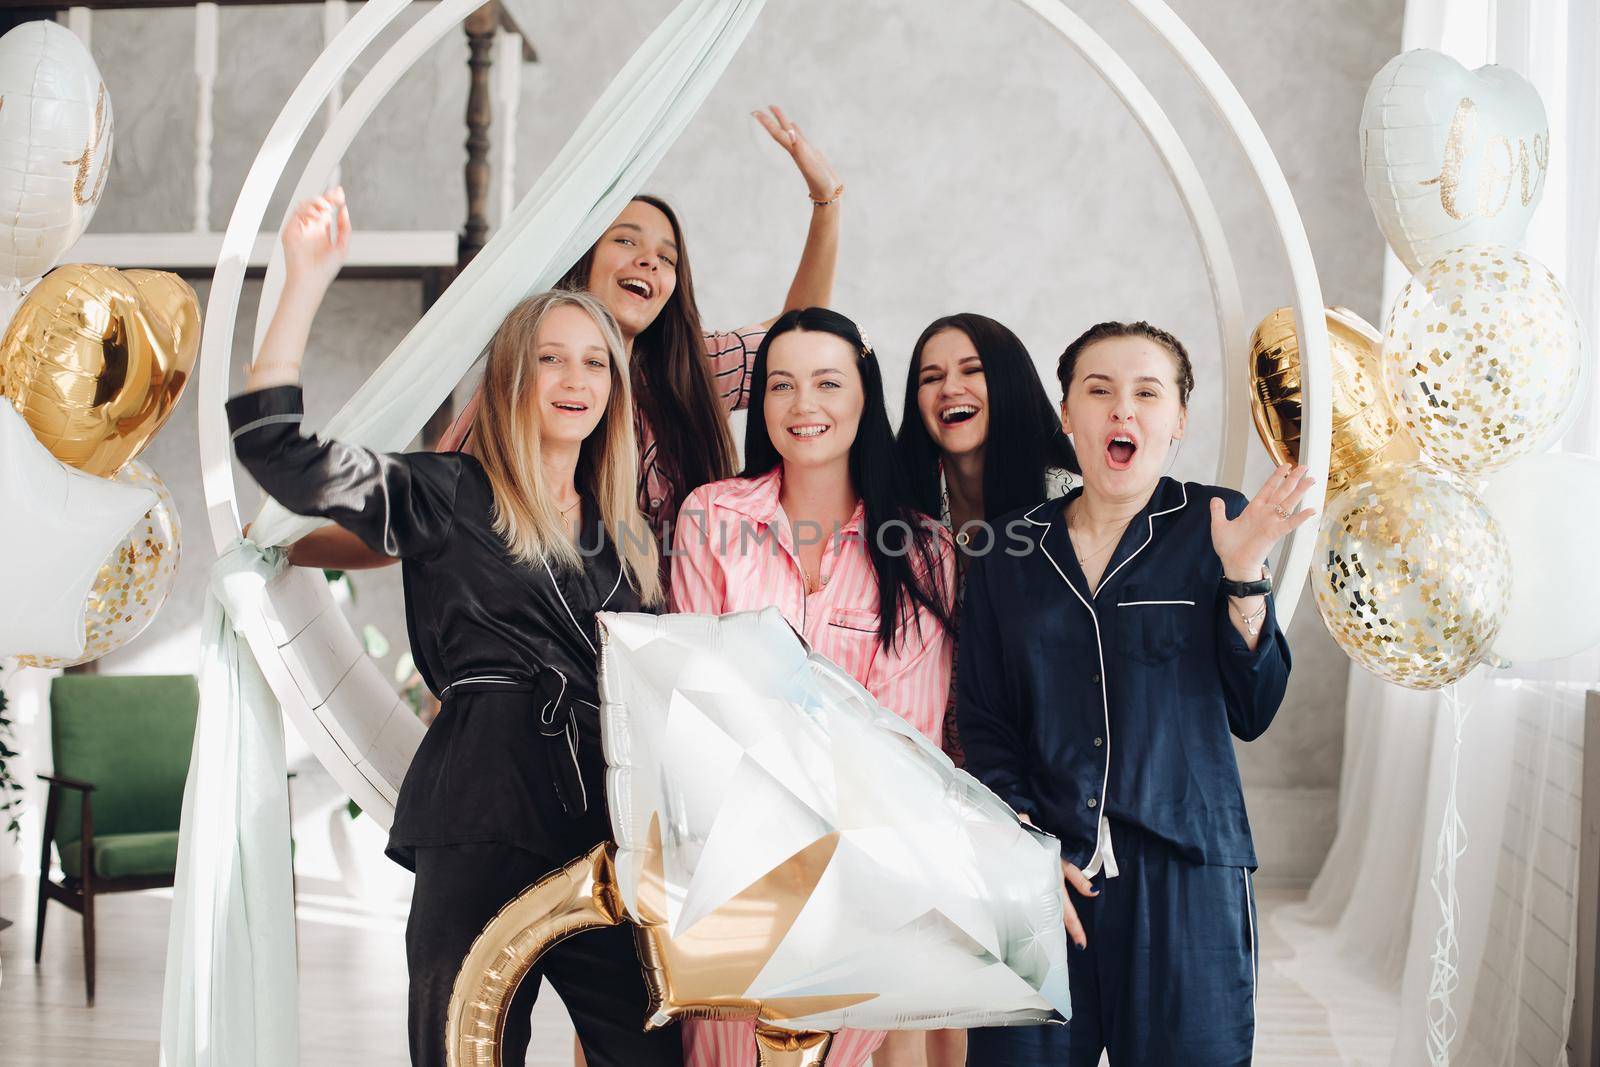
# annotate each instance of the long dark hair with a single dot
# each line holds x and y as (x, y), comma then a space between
(902, 543)
(671, 378)
(1025, 438)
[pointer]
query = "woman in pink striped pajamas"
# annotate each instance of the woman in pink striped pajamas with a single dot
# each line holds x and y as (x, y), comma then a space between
(820, 524)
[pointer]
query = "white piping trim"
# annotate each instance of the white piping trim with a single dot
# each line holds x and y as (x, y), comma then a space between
(1029, 516)
(1149, 536)
(1099, 651)
(1250, 916)
(557, 587)
(266, 420)
(1105, 699)
(1151, 603)
(615, 587)
(547, 713)
(571, 733)
(496, 679)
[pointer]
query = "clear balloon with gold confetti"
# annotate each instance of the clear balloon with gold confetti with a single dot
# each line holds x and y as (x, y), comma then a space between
(135, 578)
(1482, 356)
(1413, 576)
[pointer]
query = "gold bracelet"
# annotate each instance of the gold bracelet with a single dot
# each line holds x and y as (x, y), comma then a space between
(834, 199)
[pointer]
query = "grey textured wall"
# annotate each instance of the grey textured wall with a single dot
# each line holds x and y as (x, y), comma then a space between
(988, 169)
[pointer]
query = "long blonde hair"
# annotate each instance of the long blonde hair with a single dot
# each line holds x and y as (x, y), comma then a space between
(506, 439)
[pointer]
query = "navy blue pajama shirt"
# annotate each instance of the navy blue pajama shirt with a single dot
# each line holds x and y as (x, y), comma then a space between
(1123, 703)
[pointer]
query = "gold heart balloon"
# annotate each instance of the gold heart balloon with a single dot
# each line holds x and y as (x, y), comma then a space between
(1365, 429)
(95, 360)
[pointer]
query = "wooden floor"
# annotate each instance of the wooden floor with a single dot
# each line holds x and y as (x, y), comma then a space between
(352, 988)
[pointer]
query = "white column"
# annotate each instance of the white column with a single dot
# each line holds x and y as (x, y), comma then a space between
(507, 94)
(335, 13)
(206, 34)
(80, 20)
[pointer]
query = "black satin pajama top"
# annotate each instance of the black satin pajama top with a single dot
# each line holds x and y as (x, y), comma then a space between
(514, 755)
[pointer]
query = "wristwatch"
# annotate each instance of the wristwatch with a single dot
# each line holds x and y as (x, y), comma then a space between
(1260, 587)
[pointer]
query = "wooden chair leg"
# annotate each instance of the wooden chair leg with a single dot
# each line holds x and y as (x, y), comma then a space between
(38, 919)
(86, 862)
(88, 942)
(44, 872)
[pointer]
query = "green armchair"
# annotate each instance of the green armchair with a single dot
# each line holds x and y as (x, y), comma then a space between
(121, 749)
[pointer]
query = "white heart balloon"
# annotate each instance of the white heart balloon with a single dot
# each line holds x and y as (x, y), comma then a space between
(1548, 507)
(55, 147)
(1451, 156)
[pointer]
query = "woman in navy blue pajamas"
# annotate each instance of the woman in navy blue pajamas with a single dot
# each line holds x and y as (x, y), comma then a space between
(1109, 648)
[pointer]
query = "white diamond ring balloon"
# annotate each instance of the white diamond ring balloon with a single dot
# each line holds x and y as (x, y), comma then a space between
(800, 856)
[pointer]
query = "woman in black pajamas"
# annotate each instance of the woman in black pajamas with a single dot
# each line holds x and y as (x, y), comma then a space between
(506, 556)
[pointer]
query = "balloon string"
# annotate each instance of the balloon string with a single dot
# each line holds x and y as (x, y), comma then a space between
(1452, 844)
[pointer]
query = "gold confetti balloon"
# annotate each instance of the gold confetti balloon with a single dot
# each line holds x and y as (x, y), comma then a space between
(133, 581)
(95, 360)
(1365, 430)
(1413, 576)
(1482, 356)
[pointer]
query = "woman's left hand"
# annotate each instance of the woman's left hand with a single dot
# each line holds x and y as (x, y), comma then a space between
(814, 166)
(1244, 542)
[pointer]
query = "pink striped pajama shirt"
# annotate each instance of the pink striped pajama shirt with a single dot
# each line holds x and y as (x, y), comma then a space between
(735, 551)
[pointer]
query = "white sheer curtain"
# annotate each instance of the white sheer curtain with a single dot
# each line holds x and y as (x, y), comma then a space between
(1364, 941)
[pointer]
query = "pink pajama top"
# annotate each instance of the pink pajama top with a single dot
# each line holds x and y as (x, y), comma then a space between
(735, 551)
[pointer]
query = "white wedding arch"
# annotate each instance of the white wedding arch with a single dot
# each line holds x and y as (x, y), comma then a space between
(340, 702)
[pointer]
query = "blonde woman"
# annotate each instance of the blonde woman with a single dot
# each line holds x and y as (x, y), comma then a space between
(506, 555)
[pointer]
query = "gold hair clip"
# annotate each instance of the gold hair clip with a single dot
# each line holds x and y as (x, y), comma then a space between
(866, 343)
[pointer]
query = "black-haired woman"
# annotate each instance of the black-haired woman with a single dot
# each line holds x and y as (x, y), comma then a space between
(979, 438)
(820, 524)
(1102, 673)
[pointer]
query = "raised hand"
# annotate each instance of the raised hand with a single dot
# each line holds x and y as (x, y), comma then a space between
(1271, 515)
(814, 166)
(316, 240)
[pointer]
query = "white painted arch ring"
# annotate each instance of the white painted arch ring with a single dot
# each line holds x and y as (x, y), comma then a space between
(339, 701)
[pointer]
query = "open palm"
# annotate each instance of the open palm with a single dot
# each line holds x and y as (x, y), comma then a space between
(814, 166)
(317, 239)
(1242, 543)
